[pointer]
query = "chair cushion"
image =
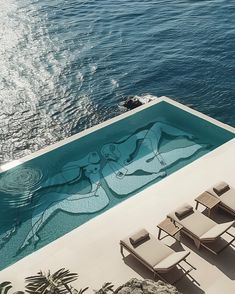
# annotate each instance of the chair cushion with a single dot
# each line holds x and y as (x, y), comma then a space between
(221, 188)
(184, 211)
(216, 231)
(152, 251)
(139, 237)
(196, 223)
(171, 260)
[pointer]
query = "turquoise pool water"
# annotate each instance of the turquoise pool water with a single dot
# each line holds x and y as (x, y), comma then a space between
(52, 194)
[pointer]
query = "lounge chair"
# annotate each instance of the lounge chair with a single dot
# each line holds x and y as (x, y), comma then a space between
(226, 194)
(155, 255)
(203, 230)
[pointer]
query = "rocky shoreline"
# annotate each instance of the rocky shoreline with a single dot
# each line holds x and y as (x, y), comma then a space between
(136, 286)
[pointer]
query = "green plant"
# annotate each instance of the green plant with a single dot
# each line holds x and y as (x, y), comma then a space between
(5, 288)
(106, 288)
(81, 291)
(47, 283)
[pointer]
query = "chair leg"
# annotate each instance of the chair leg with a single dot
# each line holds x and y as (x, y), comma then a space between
(186, 273)
(197, 243)
(159, 234)
(190, 264)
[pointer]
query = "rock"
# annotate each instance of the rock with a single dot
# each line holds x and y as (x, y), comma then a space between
(135, 101)
(135, 286)
(132, 103)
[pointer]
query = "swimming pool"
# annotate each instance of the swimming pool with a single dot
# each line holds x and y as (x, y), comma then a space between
(48, 196)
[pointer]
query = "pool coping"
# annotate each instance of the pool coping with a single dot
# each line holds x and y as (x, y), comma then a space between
(83, 133)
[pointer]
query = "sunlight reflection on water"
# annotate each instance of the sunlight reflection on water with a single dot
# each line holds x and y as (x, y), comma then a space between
(67, 65)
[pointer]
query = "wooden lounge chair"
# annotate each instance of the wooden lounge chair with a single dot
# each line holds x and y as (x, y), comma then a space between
(226, 194)
(155, 255)
(203, 230)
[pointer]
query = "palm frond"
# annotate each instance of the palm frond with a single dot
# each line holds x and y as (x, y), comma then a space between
(5, 287)
(81, 291)
(107, 287)
(56, 283)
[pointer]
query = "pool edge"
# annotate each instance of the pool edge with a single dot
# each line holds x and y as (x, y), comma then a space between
(117, 118)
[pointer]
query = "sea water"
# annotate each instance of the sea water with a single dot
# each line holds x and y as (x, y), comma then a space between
(66, 65)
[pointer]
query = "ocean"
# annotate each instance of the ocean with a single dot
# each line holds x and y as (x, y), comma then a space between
(66, 65)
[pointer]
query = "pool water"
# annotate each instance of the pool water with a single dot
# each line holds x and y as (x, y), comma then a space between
(50, 195)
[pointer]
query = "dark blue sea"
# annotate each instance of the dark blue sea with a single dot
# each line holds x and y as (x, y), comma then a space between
(66, 65)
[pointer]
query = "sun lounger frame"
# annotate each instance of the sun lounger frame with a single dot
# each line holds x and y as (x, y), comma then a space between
(155, 273)
(200, 243)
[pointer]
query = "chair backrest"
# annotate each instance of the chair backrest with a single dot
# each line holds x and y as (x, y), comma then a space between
(150, 251)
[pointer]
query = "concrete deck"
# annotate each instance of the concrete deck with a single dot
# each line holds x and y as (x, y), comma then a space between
(92, 250)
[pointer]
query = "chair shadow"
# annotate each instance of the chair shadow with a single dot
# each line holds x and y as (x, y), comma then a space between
(185, 285)
(219, 215)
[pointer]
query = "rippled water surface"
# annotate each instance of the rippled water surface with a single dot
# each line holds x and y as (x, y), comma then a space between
(67, 65)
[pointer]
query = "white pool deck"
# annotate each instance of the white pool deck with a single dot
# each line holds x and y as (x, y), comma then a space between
(92, 250)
